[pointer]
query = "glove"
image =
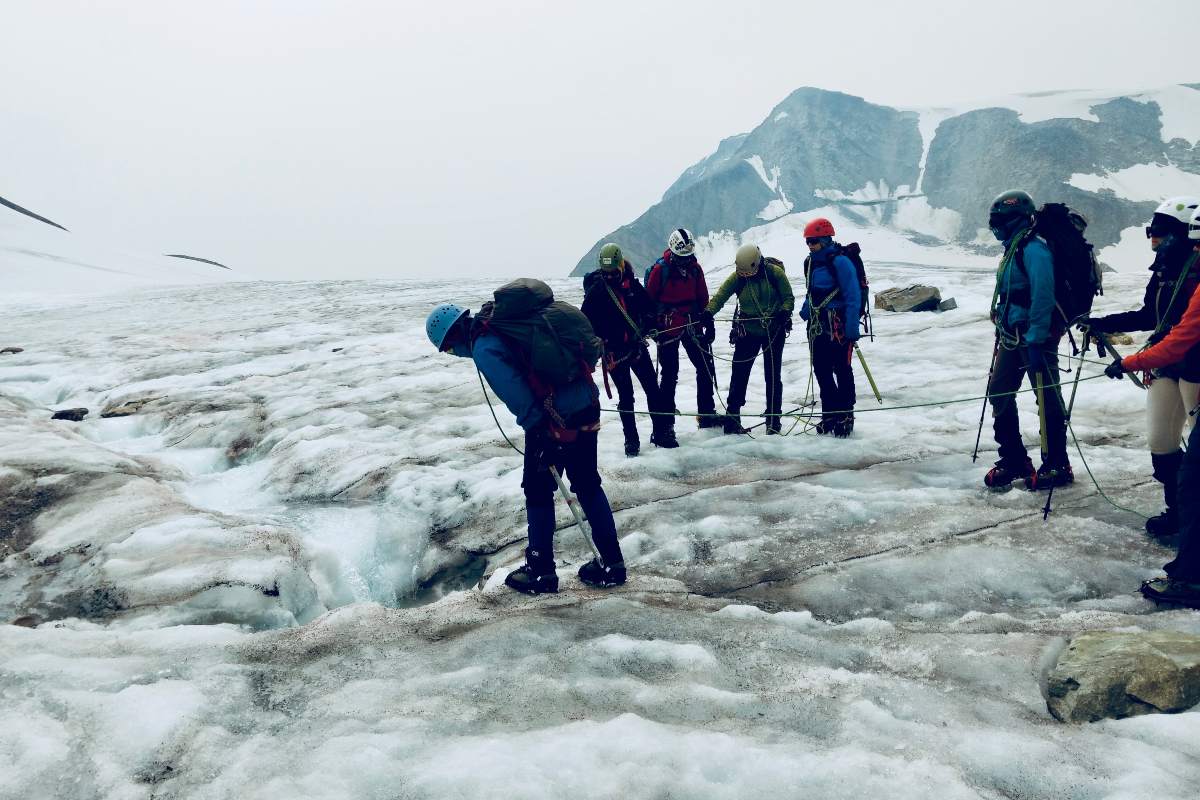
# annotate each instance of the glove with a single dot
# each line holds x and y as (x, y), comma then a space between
(1035, 357)
(704, 317)
(1115, 370)
(1093, 324)
(782, 319)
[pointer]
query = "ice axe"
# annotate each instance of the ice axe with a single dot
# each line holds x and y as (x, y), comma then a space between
(867, 370)
(580, 519)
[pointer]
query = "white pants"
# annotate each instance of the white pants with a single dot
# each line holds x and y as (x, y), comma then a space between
(1168, 403)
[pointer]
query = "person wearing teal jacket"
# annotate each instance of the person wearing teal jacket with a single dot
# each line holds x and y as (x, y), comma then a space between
(1027, 344)
(764, 317)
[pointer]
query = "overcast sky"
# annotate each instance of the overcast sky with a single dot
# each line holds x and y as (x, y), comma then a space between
(371, 139)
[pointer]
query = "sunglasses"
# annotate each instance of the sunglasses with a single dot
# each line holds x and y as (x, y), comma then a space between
(811, 240)
(1155, 233)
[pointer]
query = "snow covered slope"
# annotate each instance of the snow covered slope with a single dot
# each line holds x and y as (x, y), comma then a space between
(262, 583)
(929, 174)
(37, 260)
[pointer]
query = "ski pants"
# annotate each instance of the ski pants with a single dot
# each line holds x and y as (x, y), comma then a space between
(1007, 377)
(639, 365)
(745, 352)
(1168, 402)
(577, 460)
(700, 354)
(832, 364)
(1186, 566)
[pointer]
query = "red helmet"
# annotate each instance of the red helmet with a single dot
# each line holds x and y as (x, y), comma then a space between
(817, 228)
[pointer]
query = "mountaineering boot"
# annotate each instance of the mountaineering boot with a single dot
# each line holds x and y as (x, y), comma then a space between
(710, 420)
(843, 426)
(827, 426)
(632, 447)
(732, 423)
(1048, 476)
(535, 576)
(1002, 475)
(664, 433)
(1166, 472)
(665, 439)
(774, 429)
(602, 577)
(1169, 590)
(1164, 525)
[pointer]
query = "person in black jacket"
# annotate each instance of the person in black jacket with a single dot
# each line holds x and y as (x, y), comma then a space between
(1173, 390)
(621, 312)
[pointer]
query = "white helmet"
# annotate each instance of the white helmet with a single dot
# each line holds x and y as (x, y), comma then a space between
(681, 243)
(1194, 225)
(1180, 208)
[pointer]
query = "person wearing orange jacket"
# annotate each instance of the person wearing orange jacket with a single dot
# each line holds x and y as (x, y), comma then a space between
(1182, 582)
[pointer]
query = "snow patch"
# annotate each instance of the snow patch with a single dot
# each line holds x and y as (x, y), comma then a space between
(1131, 253)
(780, 115)
(1141, 182)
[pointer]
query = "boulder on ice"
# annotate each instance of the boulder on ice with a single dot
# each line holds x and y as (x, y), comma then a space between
(910, 298)
(1115, 674)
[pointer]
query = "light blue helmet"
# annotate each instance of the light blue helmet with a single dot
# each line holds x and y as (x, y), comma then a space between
(441, 320)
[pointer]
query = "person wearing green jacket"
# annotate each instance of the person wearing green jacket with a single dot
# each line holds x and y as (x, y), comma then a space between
(762, 321)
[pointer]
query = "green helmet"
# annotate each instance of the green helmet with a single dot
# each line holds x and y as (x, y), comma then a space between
(611, 258)
(1013, 202)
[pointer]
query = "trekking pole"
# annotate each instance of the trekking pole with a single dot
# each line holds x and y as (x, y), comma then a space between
(867, 371)
(580, 519)
(1066, 425)
(987, 391)
(1041, 399)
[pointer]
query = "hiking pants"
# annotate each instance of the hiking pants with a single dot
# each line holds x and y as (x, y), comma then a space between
(1010, 371)
(1168, 402)
(832, 366)
(745, 352)
(639, 365)
(700, 354)
(576, 460)
(1186, 566)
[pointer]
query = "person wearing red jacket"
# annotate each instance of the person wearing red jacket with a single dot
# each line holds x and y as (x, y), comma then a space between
(1182, 344)
(676, 283)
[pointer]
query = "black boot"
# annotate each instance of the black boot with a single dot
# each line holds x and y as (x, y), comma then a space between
(1166, 472)
(536, 576)
(633, 442)
(732, 422)
(1170, 590)
(827, 426)
(664, 433)
(710, 419)
(843, 426)
(602, 577)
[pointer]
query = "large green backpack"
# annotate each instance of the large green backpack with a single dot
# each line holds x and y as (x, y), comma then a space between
(554, 340)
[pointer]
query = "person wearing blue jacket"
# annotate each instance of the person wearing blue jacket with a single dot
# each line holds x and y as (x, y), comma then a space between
(451, 329)
(831, 309)
(1027, 344)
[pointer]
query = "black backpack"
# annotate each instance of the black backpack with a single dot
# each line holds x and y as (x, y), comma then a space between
(554, 340)
(1077, 277)
(853, 252)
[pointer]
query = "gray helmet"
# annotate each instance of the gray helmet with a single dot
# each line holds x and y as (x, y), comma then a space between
(747, 260)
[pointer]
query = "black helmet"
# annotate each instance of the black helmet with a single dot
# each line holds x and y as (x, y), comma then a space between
(1013, 202)
(1010, 210)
